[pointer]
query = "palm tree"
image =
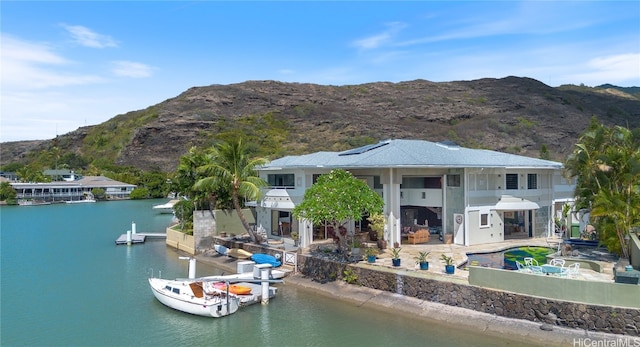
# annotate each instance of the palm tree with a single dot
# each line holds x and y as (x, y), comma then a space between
(186, 174)
(229, 165)
(607, 165)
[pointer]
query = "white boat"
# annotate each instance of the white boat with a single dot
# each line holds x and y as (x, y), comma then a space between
(87, 197)
(216, 296)
(166, 207)
(79, 201)
(189, 296)
(33, 202)
(245, 277)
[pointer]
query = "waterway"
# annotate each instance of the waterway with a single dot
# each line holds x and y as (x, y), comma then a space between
(64, 282)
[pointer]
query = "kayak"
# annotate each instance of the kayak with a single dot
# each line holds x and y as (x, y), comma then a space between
(234, 288)
(261, 258)
(221, 249)
(239, 253)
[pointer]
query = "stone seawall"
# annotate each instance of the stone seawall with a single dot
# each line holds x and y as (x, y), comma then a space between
(614, 320)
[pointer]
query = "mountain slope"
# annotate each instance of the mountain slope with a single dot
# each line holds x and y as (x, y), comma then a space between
(512, 114)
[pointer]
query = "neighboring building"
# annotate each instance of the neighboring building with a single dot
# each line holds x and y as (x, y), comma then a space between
(478, 196)
(9, 176)
(72, 190)
(62, 175)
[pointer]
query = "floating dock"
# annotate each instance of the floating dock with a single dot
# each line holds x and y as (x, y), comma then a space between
(256, 294)
(139, 238)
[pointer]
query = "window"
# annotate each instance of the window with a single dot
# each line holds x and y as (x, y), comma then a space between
(532, 181)
(453, 180)
(281, 180)
(512, 181)
(376, 182)
(482, 182)
(484, 220)
(421, 182)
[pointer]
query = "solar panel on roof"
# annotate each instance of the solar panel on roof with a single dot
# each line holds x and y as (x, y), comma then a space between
(364, 149)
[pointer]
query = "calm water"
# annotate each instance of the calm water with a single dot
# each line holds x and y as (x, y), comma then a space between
(65, 283)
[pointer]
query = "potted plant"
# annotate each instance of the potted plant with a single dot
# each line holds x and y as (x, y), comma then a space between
(371, 254)
(448, 238)
(377, 223)
(421, 260)
(395, 256)
(294, 236)
(355, 246)
(448, 264)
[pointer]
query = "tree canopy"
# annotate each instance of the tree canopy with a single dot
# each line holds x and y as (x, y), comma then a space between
(228, 166)
(336, 198)
(606, 163)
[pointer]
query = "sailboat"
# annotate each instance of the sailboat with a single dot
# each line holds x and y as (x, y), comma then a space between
(194, 297)
(216, 296)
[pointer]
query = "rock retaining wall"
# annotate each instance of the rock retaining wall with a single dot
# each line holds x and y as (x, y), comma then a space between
(615, 320)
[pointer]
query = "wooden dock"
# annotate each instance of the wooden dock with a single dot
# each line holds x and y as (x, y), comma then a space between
(139, 237)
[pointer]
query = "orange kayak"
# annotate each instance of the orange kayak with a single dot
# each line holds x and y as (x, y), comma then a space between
(234, 288)
(238, 289)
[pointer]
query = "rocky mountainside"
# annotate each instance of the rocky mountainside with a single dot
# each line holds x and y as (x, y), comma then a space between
(512, 114)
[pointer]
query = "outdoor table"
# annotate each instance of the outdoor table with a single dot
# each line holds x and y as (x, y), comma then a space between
(550, 269)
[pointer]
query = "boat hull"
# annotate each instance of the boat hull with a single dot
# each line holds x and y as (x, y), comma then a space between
(80, 201)
(238, 253)
(178, 295)
(166, 208)
(247, 277)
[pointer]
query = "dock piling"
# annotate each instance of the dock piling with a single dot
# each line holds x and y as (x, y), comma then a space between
(192, 266)
(265, 273)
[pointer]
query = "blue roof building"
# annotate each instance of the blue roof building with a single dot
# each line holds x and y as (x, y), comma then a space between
(476, 196)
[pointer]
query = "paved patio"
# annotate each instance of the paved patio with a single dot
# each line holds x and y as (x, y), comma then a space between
(459, 254)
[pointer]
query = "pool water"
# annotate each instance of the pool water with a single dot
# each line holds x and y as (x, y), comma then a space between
(506, 259)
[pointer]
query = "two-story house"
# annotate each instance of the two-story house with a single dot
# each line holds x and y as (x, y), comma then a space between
(476, 196)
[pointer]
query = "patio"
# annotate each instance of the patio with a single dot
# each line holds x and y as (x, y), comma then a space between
(459, 254)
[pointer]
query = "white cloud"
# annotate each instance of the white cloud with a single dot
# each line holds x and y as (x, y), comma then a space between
(131, 69)
(286, 71)
(618, 68)
(88, 38)
(381, 39)
(28, 65)
(529, 18)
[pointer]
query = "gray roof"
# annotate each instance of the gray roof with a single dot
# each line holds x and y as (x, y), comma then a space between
(102, 181)
(411, 154)
(86, 181)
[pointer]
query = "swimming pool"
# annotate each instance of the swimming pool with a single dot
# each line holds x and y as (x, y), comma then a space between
(506, 259)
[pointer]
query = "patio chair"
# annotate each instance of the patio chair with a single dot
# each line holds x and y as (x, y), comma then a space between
(571, 270)
(536, 270)
(528, 261)
(522, 267)
(557, 262)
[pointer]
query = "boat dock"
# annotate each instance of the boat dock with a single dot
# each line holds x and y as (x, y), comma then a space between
(139, 237)
(256, 294)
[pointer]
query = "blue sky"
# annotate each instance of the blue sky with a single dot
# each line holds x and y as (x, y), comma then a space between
(69, 64)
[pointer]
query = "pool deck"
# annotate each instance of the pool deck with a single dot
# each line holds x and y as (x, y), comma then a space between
(459, 254)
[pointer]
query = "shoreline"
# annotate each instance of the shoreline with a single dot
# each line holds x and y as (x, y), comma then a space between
(465, 319)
